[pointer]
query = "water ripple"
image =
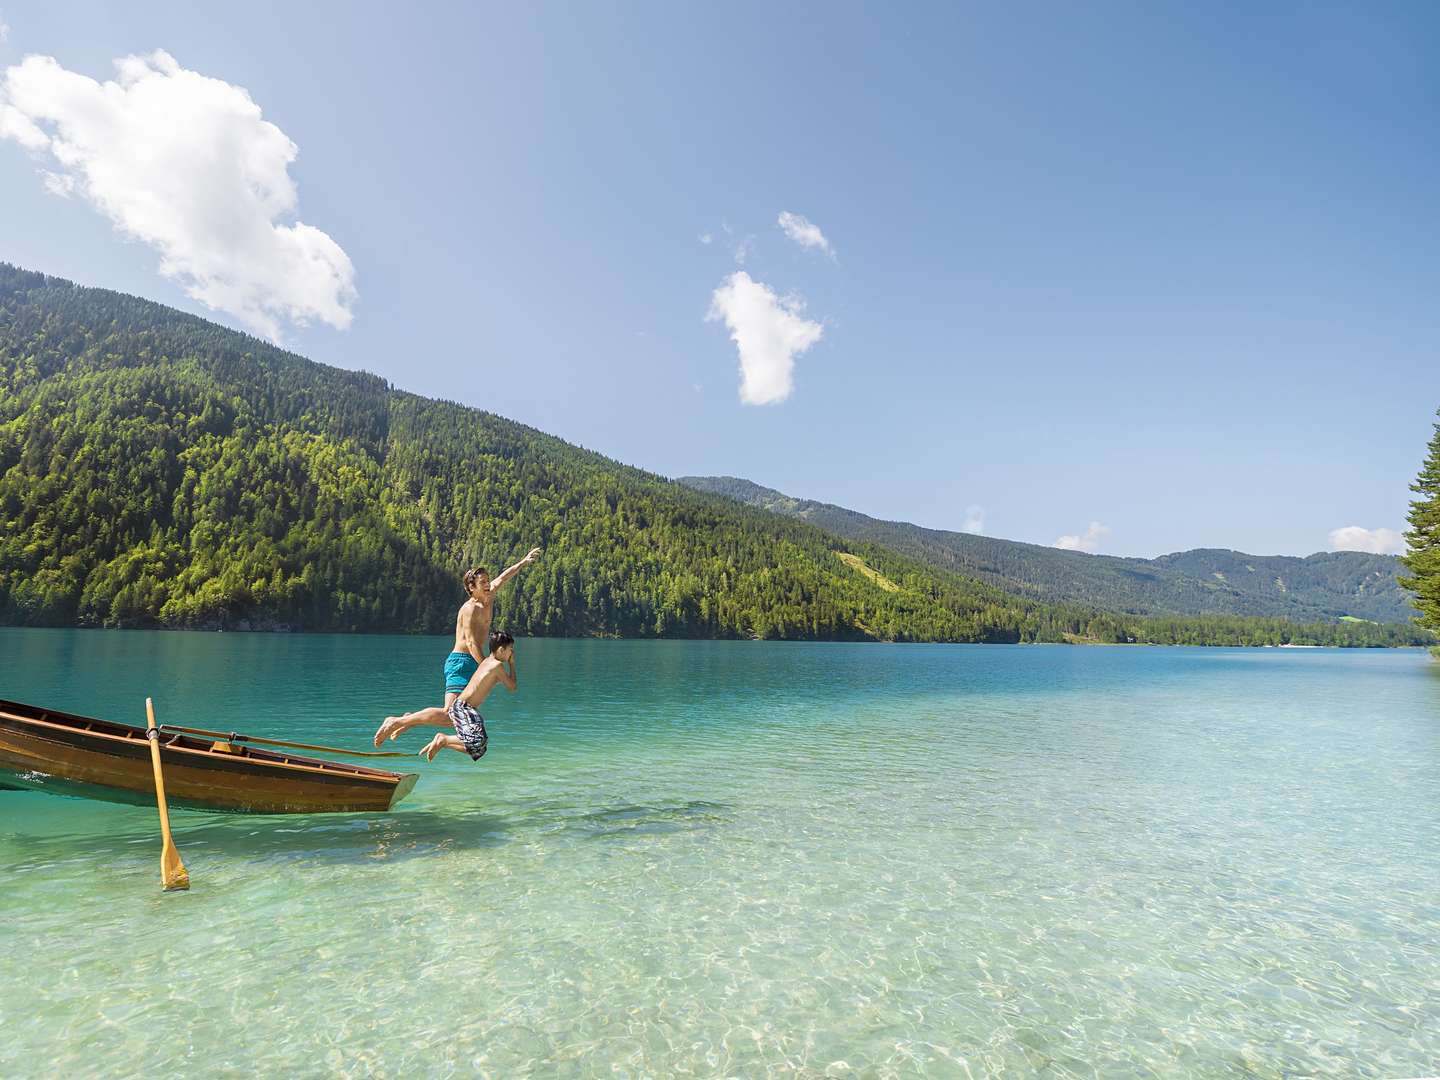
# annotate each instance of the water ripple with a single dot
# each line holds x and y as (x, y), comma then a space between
(732, 859)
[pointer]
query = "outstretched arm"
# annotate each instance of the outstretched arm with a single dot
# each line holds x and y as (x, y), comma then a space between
(510, 571)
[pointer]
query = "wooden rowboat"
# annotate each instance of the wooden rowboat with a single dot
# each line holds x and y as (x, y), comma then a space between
(65, 754)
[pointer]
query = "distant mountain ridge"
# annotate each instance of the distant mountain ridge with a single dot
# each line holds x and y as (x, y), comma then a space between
(1206, 581)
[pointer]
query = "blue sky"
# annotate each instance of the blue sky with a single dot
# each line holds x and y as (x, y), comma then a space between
(1164, 269)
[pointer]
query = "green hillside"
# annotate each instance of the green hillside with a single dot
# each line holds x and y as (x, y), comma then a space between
(156, 469)
(159, 470)
(1206, 581)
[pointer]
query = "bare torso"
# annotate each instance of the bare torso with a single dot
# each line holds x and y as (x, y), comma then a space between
(483, 681)
(472, 626)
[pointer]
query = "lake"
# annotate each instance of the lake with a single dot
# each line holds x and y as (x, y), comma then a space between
(747, 858)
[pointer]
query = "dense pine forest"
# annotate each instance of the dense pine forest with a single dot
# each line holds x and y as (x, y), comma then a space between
(159, 470)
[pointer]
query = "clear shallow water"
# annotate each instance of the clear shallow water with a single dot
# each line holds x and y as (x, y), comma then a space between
(690, 858)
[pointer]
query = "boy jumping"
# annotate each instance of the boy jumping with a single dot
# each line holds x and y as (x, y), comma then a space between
(463, 713)
(472, 625)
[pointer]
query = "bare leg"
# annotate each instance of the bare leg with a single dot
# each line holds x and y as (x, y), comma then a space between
(395, 726)
(441, 742)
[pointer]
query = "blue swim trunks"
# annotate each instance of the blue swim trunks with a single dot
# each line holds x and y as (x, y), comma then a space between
(459, 666)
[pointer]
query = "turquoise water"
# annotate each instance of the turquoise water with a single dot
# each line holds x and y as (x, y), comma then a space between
(737, 858)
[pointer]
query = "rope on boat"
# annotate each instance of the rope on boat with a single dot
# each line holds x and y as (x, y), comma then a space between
(236, 737)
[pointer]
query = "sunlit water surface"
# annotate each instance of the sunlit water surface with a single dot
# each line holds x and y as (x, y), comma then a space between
(690, 858)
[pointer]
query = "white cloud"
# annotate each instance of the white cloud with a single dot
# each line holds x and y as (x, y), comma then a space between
(1088, 541)
(4, 30)
(186, 164)
(706, 238)
(768, 330)
(16, 125)
(974, 519)
(1355, 538)
(804, 232)
(58, 184)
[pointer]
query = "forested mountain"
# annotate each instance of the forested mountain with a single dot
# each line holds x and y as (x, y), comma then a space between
(1206, 581)
(159, 470)
(156, 469)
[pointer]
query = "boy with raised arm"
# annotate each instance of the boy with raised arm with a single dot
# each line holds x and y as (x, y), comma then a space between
(463, 712)
(472, 626)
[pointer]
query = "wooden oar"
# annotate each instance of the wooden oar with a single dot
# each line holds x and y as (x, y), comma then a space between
(173, 874)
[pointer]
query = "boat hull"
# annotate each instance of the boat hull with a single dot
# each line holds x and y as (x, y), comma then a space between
(73, 755)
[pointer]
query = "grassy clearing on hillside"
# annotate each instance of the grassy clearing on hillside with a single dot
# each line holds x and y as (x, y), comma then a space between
(857, 563)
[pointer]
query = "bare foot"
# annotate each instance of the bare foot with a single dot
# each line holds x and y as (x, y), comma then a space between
(433, 747)
(386, 729)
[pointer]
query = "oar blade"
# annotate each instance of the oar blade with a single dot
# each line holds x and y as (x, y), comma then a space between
(173, 874)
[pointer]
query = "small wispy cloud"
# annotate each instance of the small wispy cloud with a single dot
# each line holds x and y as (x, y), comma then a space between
(4, 29)
(1089, 540)
(974, 519)
(804, 232)
(706, 238)
(58, 184)
(187, 164)
(1376, 541)
(769, 332)
(740, 246)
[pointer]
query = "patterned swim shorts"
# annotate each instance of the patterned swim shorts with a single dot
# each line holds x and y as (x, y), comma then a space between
(470, 726)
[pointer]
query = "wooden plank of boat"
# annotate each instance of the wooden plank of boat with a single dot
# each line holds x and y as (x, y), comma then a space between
(66, 754)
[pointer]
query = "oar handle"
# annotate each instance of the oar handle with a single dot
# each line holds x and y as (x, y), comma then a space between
(236, 737)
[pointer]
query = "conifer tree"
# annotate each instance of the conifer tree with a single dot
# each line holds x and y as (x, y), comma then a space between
(1423, 537)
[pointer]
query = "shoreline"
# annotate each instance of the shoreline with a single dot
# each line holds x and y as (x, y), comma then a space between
(1071, 640)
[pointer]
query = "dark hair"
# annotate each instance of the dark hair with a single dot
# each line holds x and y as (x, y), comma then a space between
(498, 640)
(473, 573)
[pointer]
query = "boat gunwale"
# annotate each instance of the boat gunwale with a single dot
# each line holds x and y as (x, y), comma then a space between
(198, 746)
